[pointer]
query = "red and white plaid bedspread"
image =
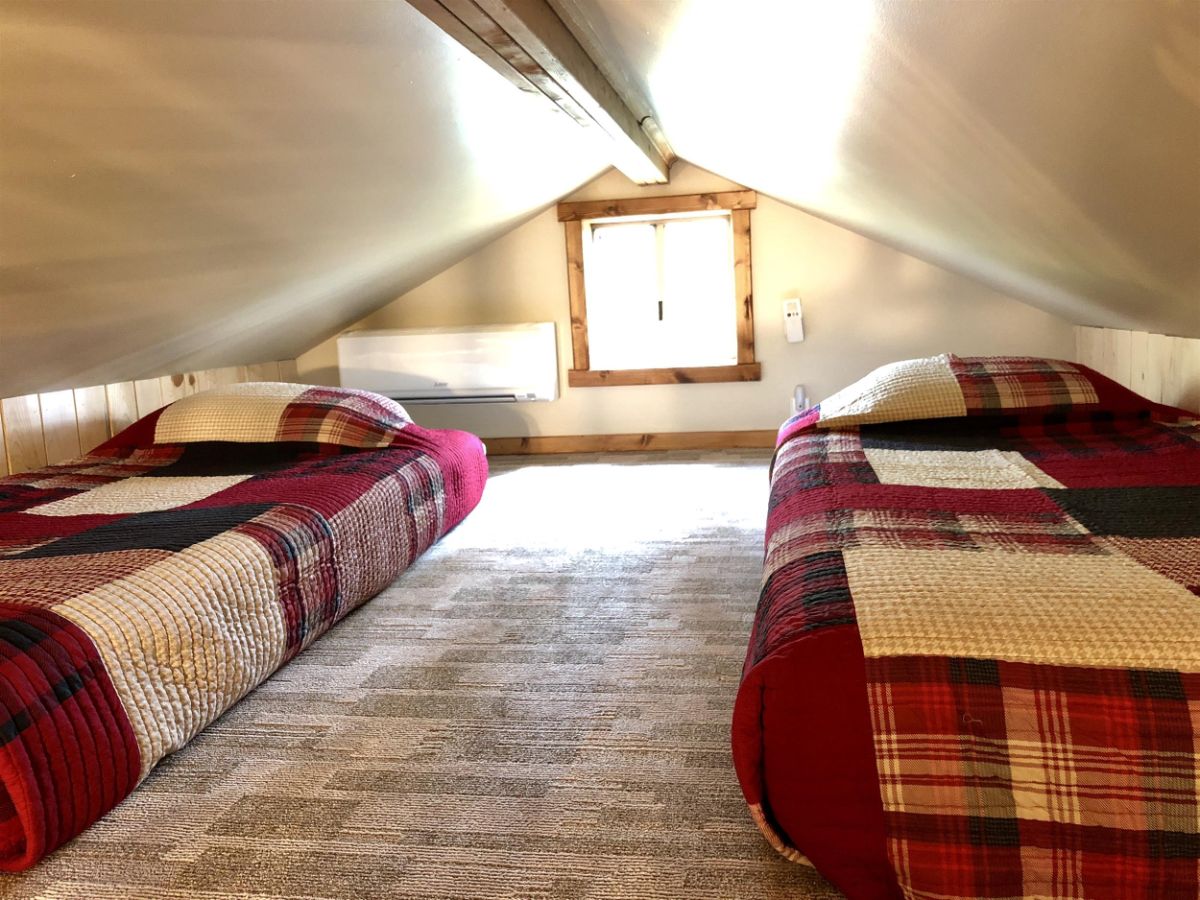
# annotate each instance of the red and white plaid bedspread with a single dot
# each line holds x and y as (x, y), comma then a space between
(145, 589)
(991, 571)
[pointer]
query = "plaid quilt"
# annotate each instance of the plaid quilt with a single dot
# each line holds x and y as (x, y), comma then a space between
(1014, 547)
(145, 588)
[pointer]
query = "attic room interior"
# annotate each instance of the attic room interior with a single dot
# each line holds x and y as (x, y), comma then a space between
(600, 449)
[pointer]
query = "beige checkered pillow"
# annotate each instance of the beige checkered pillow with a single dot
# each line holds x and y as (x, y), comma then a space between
(910, 389)
(270, 412)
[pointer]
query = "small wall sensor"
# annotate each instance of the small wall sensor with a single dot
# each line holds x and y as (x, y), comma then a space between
(799, 399)
(793, 321)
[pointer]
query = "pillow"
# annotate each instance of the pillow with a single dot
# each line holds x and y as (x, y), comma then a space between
(272, 412)
(948, 386)
(910, 389)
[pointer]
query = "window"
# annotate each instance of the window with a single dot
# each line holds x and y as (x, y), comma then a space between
(660, 289)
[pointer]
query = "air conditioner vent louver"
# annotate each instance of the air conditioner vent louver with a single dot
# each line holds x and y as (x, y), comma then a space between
(461, 398)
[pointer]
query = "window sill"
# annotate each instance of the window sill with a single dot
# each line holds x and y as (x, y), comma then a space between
(692, 375)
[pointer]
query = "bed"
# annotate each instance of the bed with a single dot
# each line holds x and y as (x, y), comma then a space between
(148, 586)
(974, 669)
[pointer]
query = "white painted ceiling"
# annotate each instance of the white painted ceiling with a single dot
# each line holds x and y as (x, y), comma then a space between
(1049, 149)
(195, 184)
(198, 183)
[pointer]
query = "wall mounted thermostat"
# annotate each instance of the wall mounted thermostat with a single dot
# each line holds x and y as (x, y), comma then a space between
(793, 321)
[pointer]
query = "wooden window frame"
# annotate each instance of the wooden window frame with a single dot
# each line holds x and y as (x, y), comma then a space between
(739, 204)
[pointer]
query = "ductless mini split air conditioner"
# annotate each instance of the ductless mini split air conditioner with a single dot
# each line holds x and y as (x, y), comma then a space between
(482, 364)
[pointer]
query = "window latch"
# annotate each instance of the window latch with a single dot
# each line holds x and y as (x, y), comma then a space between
(660, 318)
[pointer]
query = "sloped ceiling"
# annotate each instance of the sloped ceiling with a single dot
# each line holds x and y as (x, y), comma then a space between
(198, 183)
(1051, 150)
(195, 184)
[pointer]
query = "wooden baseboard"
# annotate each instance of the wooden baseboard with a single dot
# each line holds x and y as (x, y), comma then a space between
(624, 443)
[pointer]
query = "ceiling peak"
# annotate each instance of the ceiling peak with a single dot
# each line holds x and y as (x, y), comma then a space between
(527, 43)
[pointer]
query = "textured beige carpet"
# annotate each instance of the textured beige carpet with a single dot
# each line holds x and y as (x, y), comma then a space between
(539, 708)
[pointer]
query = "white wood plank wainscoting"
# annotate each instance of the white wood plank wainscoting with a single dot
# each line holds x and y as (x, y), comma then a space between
(43, 429)
(1157, 366)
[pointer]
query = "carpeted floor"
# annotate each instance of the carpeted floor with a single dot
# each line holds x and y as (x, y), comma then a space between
(539, 708)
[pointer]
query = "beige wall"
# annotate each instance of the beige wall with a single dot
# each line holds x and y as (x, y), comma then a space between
(865, 304)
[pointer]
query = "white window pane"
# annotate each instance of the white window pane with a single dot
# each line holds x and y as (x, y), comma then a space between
(687, 265)
(698, 307)
(622, 296)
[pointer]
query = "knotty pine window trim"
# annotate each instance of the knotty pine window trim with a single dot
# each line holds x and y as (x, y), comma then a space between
(739, 204)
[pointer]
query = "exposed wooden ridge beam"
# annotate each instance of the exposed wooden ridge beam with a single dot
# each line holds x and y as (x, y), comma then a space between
(615, 70)
(527, 43)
